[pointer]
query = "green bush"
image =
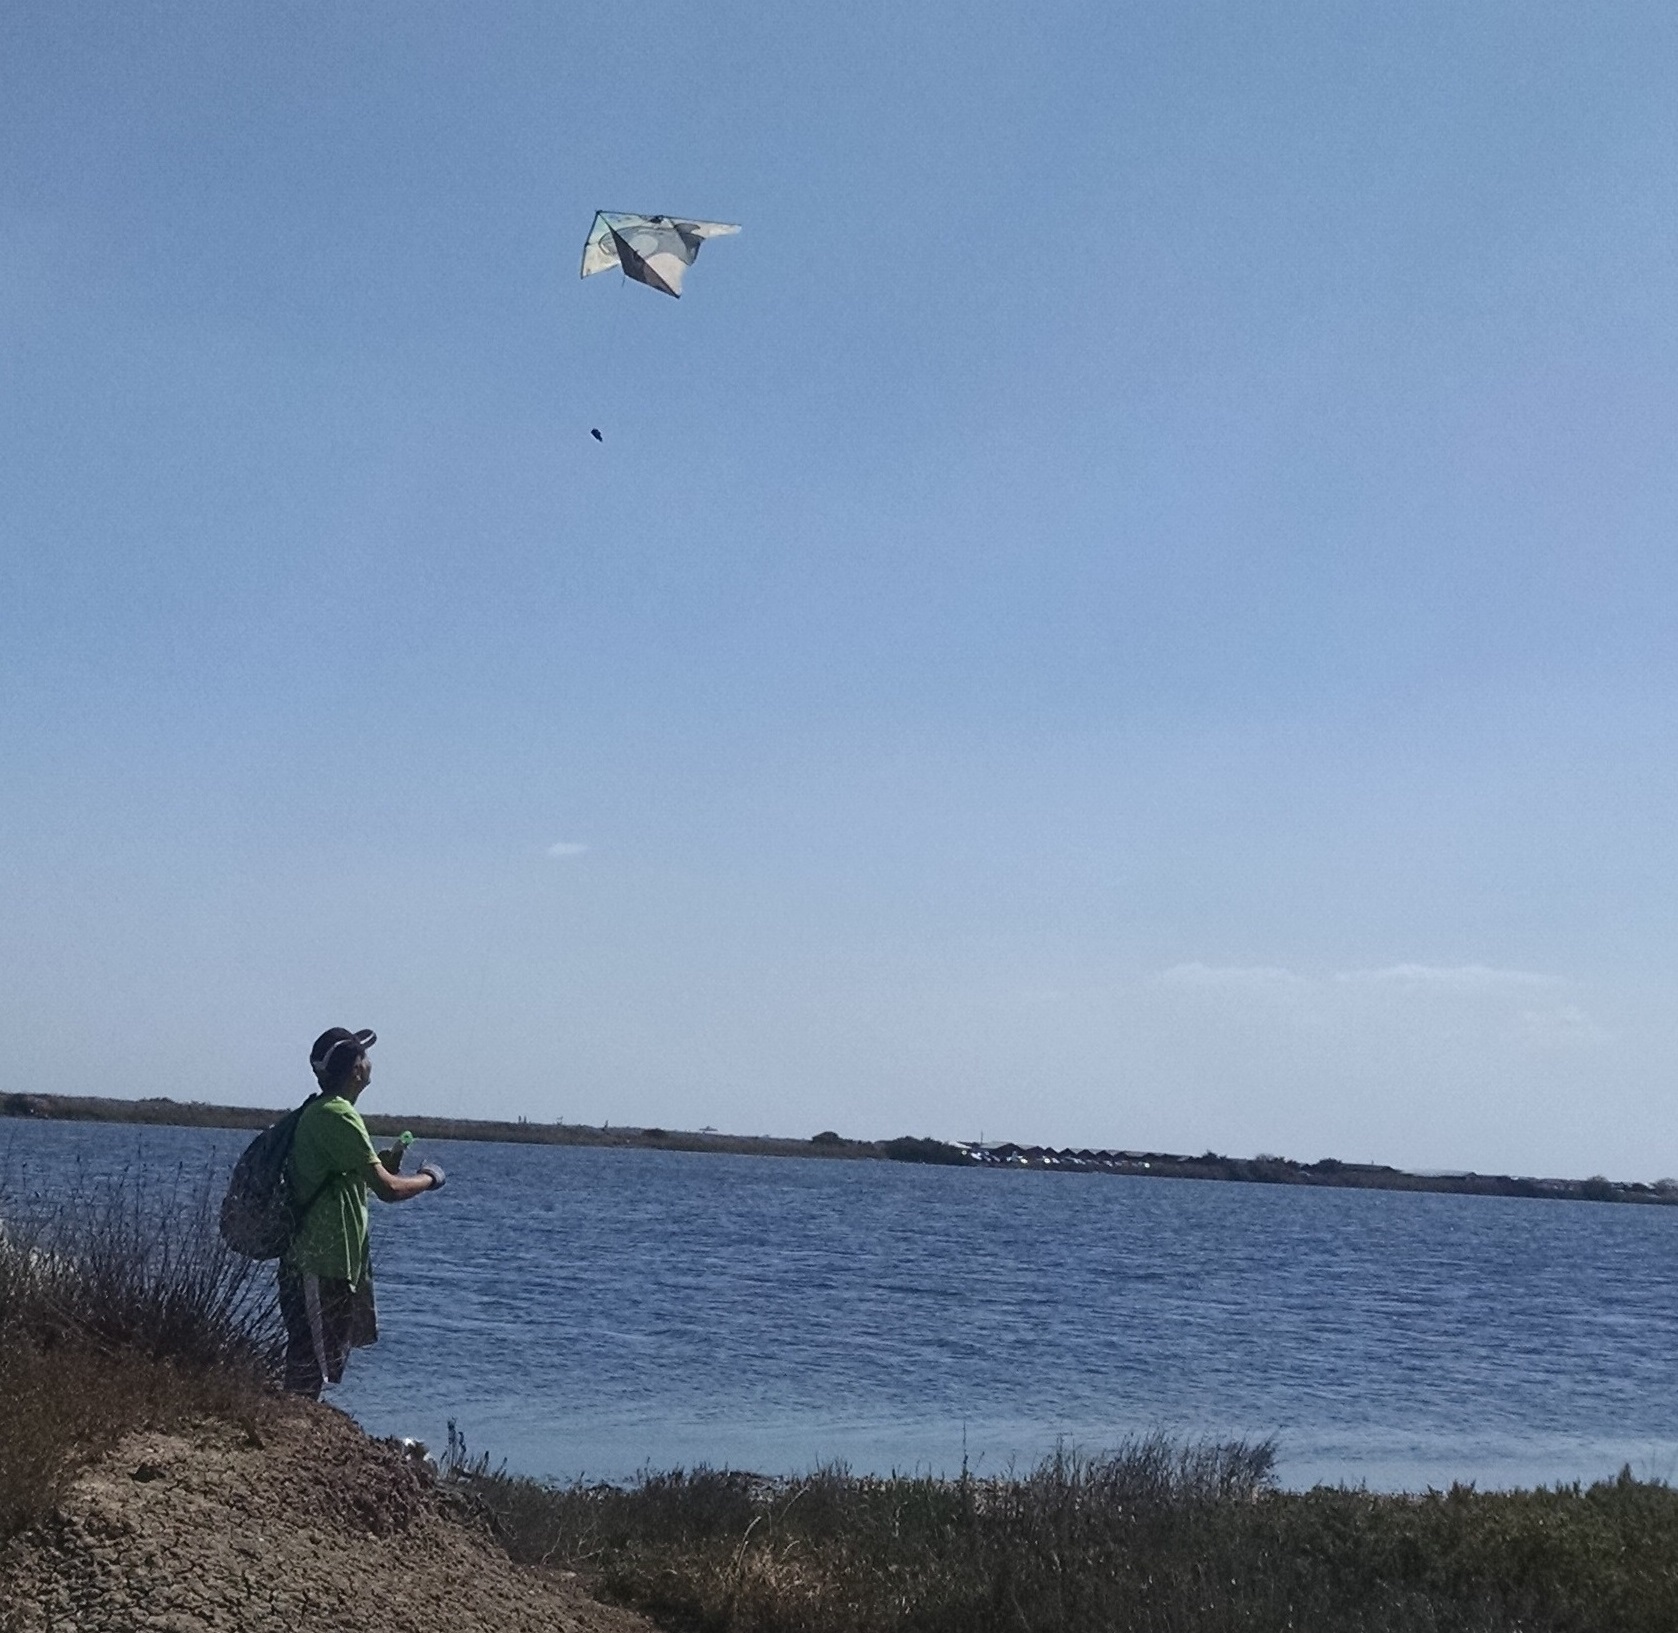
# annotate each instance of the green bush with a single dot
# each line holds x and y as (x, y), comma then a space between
(910, 1149)
(1157, 1538)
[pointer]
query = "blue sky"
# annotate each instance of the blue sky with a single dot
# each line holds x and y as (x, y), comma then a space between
(1131, 605)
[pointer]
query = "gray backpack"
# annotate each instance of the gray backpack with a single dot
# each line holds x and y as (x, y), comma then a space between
(260, 1213)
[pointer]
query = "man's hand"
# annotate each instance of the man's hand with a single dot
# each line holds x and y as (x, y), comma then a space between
(391, 1157)
(436, 1173)
(389, 1187)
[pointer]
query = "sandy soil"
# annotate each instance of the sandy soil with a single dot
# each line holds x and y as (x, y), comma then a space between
(295, 1521)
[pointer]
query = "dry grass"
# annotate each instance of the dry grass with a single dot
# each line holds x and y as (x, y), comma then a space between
(1155, 1539)
(116, 1314)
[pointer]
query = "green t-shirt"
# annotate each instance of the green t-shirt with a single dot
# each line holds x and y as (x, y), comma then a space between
(329, 1160)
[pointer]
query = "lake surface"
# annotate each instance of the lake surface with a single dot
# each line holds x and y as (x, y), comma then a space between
(586, 1312)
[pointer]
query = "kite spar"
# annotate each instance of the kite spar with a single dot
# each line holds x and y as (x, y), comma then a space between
(655, 250)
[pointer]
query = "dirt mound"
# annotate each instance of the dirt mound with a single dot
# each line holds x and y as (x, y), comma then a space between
(293, 1521)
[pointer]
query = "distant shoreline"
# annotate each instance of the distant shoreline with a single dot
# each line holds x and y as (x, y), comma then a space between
(1327, 1174)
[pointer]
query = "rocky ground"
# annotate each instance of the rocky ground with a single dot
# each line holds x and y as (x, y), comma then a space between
(292, 1521)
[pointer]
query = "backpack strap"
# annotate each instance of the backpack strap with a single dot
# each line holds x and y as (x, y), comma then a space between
(320, 1190)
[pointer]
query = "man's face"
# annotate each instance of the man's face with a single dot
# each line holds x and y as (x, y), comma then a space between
(360, 1075)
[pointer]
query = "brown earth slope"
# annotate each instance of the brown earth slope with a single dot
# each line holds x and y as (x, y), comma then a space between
(296, 1521)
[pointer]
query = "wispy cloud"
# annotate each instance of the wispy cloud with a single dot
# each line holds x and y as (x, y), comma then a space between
(1428, 977)
(1268, 977)
(1455, 977)
(1501, 1008)
(566, 847)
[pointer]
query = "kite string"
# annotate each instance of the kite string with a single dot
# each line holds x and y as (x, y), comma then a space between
(609, 331)
(614, 326)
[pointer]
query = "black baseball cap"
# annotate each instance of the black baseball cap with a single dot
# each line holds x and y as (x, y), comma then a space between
(335, 1038)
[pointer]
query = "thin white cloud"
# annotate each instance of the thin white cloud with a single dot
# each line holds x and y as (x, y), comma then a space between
(1454, 977)
(566, 847)
(1426, 977)
(1263, 976)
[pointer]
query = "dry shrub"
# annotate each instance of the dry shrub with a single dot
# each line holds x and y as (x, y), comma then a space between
(833, 1552)
(64, 1404)
(118, 1313)
(1157, 1538)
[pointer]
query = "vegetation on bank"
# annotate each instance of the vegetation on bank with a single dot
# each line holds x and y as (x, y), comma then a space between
(1156, 1538)
(1261, 1170)
(163, 1112)
(118, 1314)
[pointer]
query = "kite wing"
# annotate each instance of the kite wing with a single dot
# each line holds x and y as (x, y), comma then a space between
(655, 250)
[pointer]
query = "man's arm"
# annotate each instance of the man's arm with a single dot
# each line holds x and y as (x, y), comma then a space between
(389, 1187)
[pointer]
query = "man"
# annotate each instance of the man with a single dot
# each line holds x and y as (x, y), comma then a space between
(326, 1275)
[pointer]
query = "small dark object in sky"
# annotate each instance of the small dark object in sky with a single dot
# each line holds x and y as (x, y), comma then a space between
(595, 434)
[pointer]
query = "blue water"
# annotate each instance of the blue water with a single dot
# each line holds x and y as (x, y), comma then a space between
(596, 1312)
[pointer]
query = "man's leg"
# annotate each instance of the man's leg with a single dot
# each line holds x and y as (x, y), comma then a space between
(364, 1315)
(302, 1367)
(342, 1319)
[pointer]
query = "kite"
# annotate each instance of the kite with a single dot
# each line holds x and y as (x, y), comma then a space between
(655, 250)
